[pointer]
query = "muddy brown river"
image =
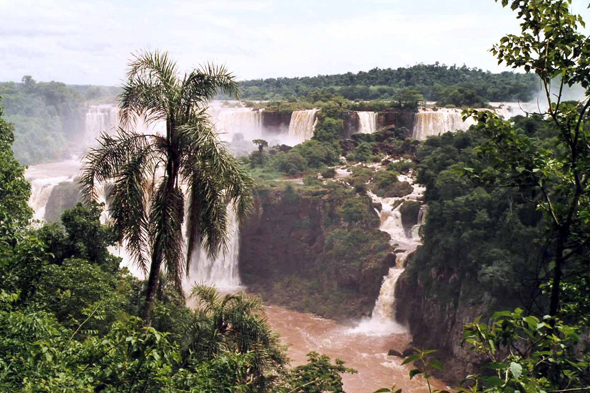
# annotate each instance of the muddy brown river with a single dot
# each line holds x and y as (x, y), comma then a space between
(365, 353)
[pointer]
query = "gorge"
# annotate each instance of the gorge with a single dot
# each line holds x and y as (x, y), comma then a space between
(350, 338)
(279, 250)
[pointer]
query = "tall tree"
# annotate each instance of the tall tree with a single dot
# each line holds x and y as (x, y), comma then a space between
(151, 173)
(555, 176)
(14, 189)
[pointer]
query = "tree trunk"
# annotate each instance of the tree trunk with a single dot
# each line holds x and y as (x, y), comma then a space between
(557, 272)
(152, 288)
(157, 257)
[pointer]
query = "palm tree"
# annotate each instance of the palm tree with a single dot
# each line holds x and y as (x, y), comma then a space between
(149, 174)
(233, 323)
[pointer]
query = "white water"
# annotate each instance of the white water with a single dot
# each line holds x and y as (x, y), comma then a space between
(430, 122)
(302, 125)
(508, 110)
(100, 119)
(367, 122)
(221, 272)
(44, 177)
(382, 321)
(231, 121)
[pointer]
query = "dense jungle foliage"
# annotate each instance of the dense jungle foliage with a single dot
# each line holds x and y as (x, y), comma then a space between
(459, 86)
(48, 117)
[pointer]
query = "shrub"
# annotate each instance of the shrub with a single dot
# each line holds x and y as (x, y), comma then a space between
(329, 173)
(401, 166)
(317, 154)
(360, 189)
(311, 180)
(353, 210)
(290, 163)
(363, 152)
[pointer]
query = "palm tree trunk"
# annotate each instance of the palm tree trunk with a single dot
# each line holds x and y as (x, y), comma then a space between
(157, 257)
(152, 287)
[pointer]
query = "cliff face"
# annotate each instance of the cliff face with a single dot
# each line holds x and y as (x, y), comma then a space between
(63, 196)
(275, 122)
(398, 119)
(296, 251)
(436, 305)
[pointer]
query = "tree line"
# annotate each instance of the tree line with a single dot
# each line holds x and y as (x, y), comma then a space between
(435, 82)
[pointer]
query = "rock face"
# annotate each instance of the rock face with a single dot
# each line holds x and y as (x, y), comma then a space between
(275, 122)
(398, 119)
(436, 306)
(63, 196)
(287, 254)
(351, 124)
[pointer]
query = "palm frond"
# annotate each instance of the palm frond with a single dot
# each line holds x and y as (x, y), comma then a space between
(166, 218)
(103, 162)
(203, 84)
(207, 296)
(150, 90)
(128, 202)
(214, 178)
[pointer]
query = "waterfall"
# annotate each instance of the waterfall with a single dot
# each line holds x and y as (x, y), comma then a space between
(44, 177)
(429, 122)
(40, 192)
(382, 321)
(302, 125)
(100, 119)
(367, 122)
(222, 272)
(232, 121)
(508, 110)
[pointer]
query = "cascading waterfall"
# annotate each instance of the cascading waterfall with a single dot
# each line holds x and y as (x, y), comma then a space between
(222, 272)
(44, 177)
(302, 125)
(367, 122)
(100, 119)
(40, 192)
(510, 109)
(382, 321)
(231, 121)
(430, 122)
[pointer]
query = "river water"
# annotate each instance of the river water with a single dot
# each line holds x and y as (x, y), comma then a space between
(365, 353)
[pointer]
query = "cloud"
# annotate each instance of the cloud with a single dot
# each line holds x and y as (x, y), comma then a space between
(86, 41)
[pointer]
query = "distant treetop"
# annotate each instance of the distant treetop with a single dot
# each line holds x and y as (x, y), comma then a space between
(432, 81)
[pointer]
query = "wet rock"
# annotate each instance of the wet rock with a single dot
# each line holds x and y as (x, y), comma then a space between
(284, 148)
(347, 146)
(393, 352)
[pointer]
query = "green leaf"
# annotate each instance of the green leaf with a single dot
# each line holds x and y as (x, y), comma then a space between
(436, 365)
(413, 373)
(516, 369)
(494, 381)
(382, 390)
(410, 359)
(500, 314)
(496, 366)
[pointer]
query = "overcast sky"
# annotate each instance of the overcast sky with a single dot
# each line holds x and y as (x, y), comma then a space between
(90, 42)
